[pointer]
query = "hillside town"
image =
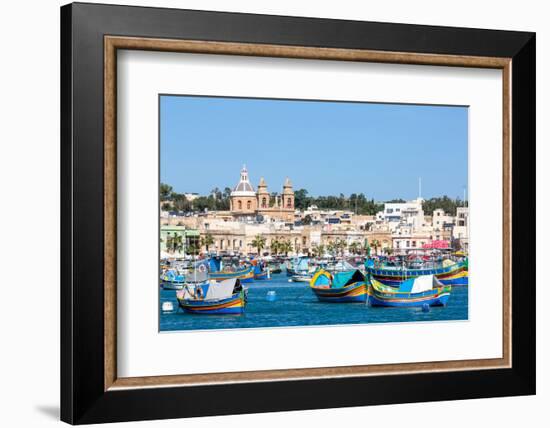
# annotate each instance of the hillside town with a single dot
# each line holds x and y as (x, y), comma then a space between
(257, 221)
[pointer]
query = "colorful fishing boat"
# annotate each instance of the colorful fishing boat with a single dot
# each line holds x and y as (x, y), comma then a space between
(225, 297)
(340, 266)
(262, 275)
(261, 272)
(297, 266)
(306, 277)
(245, 274)
(342, 287)
(172, 280)
(275, 268)
(420, 291)
(449, 273)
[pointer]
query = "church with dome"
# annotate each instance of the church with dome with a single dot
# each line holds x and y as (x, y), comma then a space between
(245, 201)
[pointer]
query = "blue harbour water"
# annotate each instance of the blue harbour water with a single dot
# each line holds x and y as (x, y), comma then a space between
(296, 305)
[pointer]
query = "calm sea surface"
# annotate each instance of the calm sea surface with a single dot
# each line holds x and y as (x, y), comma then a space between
(295, 305)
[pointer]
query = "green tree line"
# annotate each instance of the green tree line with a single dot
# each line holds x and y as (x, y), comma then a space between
(445, 203)
(216, 200)
(356, 202)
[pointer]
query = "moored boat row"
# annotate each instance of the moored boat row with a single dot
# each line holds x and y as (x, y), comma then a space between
(208, 288)
(353, 286)
(447, 274)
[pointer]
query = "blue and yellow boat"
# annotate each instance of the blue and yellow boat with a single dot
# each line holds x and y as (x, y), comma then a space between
(214, 298)
(448, 274)
(172, 280)
(420, 291)
(261, 272)
(245, 274)
(262, 275)
(342, 287)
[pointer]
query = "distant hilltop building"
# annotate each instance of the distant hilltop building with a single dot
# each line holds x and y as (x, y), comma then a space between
(245, 201)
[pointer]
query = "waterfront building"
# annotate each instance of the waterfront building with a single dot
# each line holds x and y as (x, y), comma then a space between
(440, 219)
(460, 229)
(403, 213)
(178, 240)
(400, 227)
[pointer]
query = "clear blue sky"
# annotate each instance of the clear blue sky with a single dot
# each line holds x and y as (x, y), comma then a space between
(327, 148)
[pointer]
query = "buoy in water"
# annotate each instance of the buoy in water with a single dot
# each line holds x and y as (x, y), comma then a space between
(167, 307)
(425, 307)
(271, 296)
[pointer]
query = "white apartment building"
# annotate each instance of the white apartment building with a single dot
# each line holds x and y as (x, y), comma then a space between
(403, 213)
(460, 229)
(440, 219)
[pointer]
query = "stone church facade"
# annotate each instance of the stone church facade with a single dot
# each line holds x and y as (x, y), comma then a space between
(245, 201)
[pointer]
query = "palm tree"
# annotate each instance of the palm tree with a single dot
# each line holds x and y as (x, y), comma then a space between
(376, 245)
(193, 249)
(286, 247)
(174, 243)
(258, 243)
(354, 247)
(318, 250)
(207, 240)
(388, 251)
(331, 247)
(275, 246)
(340, 246)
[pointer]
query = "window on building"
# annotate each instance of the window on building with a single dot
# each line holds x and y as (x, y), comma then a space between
(304, 240)
(289, 203)
(248, 204)
(264, 203)
(389, 210)
(240, 204)
(414, 244)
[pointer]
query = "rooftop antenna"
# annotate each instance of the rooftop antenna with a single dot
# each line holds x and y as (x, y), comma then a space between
(464, 200)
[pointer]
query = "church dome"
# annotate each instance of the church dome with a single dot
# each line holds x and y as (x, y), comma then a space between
(243, 187)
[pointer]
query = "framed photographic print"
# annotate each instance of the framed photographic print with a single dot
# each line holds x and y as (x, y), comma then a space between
(277, 213)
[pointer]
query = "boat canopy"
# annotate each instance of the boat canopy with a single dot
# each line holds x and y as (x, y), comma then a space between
(417, 285)
(342, 266)
(303, 264)
(322, 279)
(342, 279)
(172, 275)
(197, 276)
(221, 290)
